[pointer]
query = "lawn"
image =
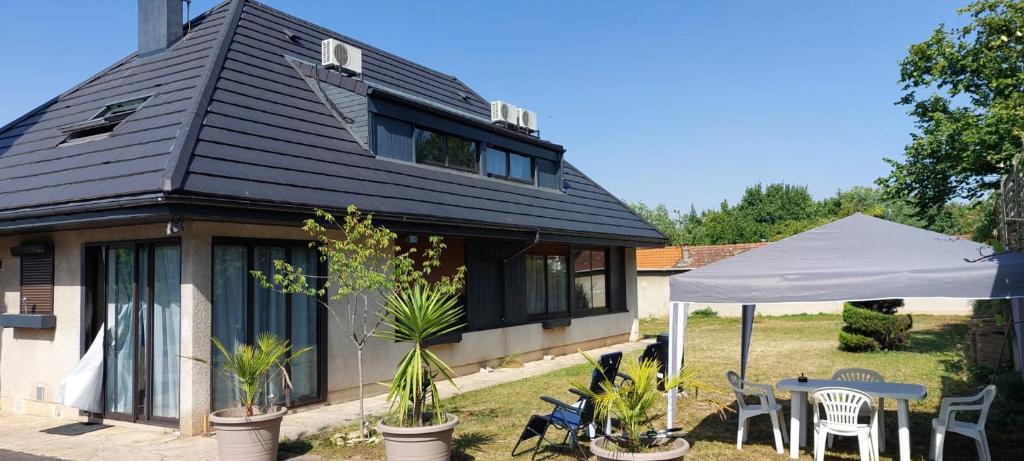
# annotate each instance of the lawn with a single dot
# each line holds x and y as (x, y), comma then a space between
(491, 419)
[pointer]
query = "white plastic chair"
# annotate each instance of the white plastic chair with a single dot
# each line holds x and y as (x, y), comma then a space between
(865, 375)
(947, 422)
(842, 417)
(766, 406)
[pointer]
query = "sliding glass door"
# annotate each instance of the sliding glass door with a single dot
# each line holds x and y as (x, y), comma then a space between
(242, 310)
(136, 287)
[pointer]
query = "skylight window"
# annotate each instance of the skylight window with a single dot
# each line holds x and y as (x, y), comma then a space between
(103, 123)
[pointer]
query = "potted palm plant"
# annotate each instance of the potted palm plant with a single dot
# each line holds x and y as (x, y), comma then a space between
(417, 426)
(250, 431)
(633, 404)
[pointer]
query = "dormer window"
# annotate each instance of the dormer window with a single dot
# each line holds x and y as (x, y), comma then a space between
(401, 140)
(102, 124)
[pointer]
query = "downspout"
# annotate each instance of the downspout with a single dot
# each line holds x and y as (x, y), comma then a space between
(504, 270)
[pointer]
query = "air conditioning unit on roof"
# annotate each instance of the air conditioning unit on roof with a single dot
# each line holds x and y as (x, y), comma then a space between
(526, 119)
(503, 112)
(342, 56)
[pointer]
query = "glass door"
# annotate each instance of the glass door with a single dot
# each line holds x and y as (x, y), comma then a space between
(140, 285)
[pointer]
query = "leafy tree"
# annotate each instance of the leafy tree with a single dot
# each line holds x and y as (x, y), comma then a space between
(776, 203)
(670, 223)
(964, 87)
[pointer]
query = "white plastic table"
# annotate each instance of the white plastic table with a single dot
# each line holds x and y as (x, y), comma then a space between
(900, 392)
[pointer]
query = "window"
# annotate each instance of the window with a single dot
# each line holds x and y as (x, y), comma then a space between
(36, 278)
(520, 168)
(429, 147)
(242, 310)
(405, 141)
(546, 284)
(590, 275)
(547, 174)
(103, 123)
(496, 162)
(444, 150)
(394, 139)
(133, 290)
(461, 153)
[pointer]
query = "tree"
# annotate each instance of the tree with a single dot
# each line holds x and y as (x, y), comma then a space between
(776, 203)
(965, 89)
(366, 260)
(669, 223)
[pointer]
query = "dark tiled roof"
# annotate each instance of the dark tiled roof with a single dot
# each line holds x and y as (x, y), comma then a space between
(258, 132)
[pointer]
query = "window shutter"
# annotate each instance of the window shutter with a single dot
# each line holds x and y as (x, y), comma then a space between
(37, 284)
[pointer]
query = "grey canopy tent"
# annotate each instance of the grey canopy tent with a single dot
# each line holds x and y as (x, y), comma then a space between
(855, 258)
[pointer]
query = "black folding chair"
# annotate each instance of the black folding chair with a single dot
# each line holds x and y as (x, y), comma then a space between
(571, 418)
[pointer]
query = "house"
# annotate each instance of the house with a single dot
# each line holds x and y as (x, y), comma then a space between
(138, 201)
(655, 265)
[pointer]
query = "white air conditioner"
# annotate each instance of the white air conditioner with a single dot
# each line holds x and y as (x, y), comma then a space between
(342, 56)
(502, 111)
(526, 119)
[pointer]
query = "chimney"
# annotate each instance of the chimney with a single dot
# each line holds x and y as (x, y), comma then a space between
(160, 25)
(686, 253)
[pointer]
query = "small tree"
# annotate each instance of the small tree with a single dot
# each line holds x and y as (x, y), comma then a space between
(365, 260)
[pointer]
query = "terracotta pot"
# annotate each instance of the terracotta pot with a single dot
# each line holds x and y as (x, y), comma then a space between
(249, 438)
(426, 443)
(679, 449)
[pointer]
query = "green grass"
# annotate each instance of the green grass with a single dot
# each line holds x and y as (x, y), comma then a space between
(491, 419)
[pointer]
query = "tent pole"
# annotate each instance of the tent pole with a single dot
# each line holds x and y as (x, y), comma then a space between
(1017, 316)
(677, 314)
(748, 328)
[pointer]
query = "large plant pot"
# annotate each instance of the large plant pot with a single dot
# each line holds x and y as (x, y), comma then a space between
(249, 438)
(427, 443)
(679, 449)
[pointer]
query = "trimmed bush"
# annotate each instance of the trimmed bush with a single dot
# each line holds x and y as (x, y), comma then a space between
(890, 331)
(884, 306)
(853, 342)
(705, 313)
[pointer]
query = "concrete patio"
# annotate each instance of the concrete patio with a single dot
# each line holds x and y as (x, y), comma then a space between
(34, 438)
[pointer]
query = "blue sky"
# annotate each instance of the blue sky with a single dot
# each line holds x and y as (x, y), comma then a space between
(674, 102)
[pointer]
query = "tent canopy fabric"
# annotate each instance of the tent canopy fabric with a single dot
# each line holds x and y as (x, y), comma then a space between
(856, 258)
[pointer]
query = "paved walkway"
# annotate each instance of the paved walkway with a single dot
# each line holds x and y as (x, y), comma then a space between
(33, 438)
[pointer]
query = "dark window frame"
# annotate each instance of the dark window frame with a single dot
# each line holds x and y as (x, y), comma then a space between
(103, 122)
(508, 166)
(416, 129)
(321, 341)
(548, 314)
(480, 151)
(608, 307)
(95, 299)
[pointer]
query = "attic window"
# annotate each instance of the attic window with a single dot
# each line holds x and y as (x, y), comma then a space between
(103, 123)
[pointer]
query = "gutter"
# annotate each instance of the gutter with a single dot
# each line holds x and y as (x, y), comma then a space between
(536, 240)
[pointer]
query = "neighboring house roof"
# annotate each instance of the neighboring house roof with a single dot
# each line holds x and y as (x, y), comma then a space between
(686, 257)
(230, 119)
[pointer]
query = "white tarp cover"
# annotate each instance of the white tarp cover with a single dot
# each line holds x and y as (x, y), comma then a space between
(82, 388)
(856, 258)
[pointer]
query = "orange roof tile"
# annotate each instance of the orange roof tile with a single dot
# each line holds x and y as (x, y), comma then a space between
(687, 257)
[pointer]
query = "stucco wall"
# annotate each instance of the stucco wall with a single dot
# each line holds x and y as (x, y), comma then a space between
(41, 358)
(654, 293)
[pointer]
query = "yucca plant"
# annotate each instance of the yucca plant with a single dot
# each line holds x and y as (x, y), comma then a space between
(252, 367)
(416, 315)
(637, 403)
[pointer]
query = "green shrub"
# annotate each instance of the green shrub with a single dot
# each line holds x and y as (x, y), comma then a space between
(705, 313)
(990, 308)
(884, 306)
(853, 342)
(889, 330)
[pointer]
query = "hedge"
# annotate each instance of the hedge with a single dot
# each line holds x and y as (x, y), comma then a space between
(890, 331)
(853, 342)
